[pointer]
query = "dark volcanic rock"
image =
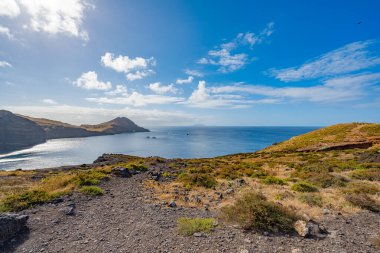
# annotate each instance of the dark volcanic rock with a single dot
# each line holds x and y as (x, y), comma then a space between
(11, 225)
(17, 132)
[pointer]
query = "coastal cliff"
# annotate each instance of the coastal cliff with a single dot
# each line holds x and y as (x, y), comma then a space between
(19, 131)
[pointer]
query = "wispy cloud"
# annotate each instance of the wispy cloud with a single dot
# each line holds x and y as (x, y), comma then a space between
(137, 99)
(351, 57)
(134, 68)
(49, 101)
(5, 64)
(89, 81)
(6, 32)
(193, 72)
(184, 81)
(346, 88)
(162, 89)
(94, 115)
(223, 55)
(204, 97)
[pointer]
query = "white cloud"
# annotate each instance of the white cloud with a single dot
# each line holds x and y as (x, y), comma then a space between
(183, 81)
(89, 81)
(6, 32)
(192, 72)
(54, 16)
(227, 61)
(134, 68)
(162, 89)
(5, 64)
(351, 57)
(49, 101)
(203, 97)
(119, 90)
(137, 99)
(95, 115)
(347, 88)
(139, 74)
(9, 8)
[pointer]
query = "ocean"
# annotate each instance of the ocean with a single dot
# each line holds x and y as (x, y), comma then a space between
(168, 142)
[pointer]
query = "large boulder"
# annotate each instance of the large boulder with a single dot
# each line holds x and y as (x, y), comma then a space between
(310, 229)
(11, 225)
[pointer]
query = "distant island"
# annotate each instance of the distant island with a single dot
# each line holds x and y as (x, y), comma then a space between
(19, 131)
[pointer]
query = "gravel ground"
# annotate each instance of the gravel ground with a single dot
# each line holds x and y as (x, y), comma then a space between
(125, 220)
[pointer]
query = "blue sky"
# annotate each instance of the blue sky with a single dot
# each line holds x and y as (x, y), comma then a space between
(191, 62)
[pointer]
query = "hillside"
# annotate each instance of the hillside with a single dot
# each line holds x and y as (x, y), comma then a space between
(116, 126)
(340, 136)
(19, 131)
(298, 198)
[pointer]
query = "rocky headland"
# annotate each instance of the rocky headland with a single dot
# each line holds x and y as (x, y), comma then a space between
(19, 131)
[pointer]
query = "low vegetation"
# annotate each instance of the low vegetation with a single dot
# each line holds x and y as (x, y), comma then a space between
(254, 212)
(189, 226)
(364, 201)
(92, 190)
(304, 187)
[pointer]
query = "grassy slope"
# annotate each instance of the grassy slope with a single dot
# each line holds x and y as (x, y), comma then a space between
(350, 132)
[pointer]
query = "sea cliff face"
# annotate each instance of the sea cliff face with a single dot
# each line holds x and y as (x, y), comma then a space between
(17, 132)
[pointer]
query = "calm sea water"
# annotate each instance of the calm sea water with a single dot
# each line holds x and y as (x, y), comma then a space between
(168, 142)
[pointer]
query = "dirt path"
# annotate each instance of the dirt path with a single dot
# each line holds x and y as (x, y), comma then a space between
(123, 220)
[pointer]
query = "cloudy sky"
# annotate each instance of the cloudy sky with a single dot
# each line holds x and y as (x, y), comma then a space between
(173, 62)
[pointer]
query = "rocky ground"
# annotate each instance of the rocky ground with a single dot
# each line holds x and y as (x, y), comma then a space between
(125, 219)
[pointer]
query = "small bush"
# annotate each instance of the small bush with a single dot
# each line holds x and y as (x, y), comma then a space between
(198, 179)
(253, 211)
(189, 226)
(363, 201)
(366, 174)
(274, 180)
(312, 199)
(304, 187)
(92, 190)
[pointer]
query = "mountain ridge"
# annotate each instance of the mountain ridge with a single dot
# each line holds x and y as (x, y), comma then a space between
(45, 129)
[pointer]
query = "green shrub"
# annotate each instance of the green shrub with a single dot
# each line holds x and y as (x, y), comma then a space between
(259, 174)
(137, 166)
(304, 187)
(197, 179)
(228, 173)
(92, 190)
(312, 199)
(274, 180)
(189, 226)
(363, 201)
(90, 177)
(254, 212)
(18, 202)
(366, 174)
